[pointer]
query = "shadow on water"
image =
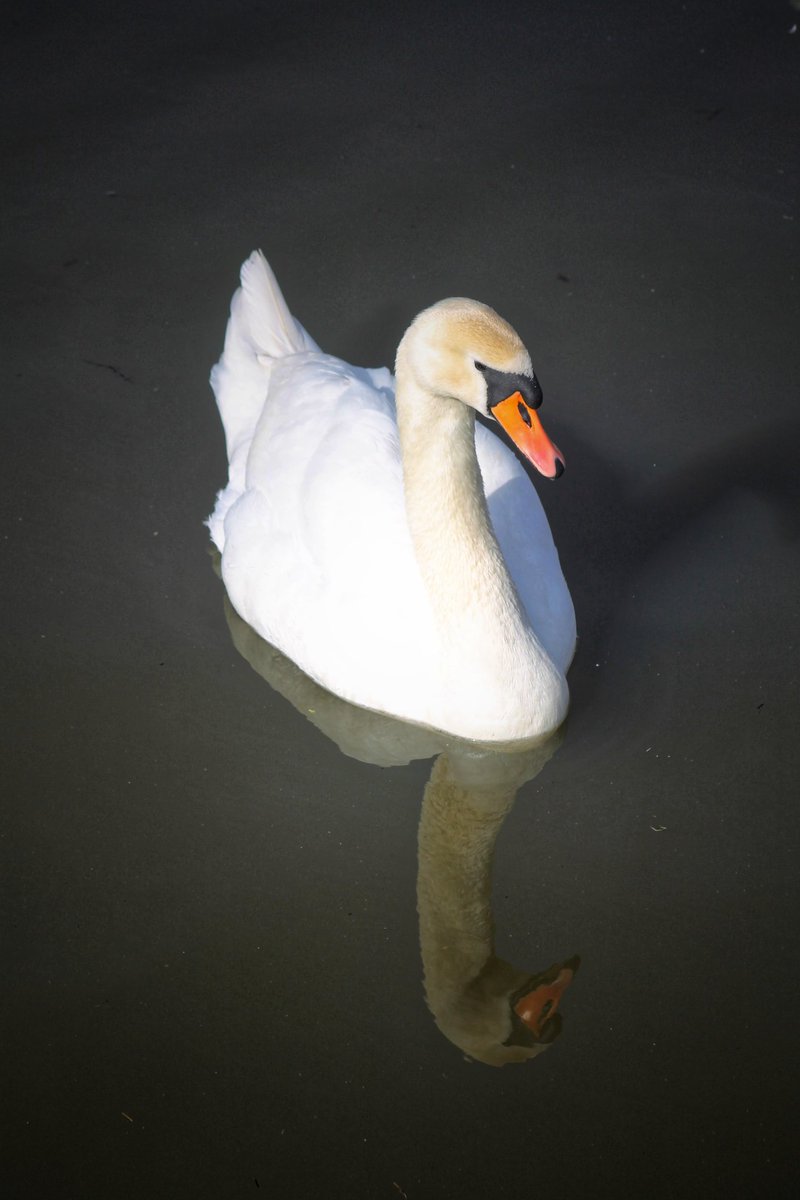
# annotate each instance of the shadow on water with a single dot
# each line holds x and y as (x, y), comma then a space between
(495, 1012)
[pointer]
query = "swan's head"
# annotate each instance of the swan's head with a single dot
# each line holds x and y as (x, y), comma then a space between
(462, 350)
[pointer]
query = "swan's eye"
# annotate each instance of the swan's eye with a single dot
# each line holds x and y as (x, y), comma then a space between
(523, 412)
(480, 366)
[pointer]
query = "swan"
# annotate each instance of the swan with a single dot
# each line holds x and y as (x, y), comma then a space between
(388, 545)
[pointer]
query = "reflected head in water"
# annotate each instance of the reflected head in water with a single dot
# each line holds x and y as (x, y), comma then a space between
(494, 1012)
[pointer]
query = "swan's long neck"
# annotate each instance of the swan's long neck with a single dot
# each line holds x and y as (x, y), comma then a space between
(491, 657)
(453, 537)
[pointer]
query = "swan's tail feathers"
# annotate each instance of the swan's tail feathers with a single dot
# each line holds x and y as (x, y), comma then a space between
(260, 330)
(273, 330)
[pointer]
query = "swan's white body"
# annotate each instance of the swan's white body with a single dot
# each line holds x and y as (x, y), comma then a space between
(381, 574)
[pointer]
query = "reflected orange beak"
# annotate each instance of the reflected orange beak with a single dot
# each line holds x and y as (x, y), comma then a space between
(541, 1004)
(523, 426)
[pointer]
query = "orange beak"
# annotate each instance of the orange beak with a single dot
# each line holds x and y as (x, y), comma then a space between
(525, 430)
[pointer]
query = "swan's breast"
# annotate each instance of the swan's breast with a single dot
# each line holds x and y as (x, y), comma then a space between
(525, 539)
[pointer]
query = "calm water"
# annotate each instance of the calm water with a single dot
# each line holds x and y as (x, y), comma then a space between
(257, 941)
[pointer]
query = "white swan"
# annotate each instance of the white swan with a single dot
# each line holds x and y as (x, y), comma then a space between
(354, 529)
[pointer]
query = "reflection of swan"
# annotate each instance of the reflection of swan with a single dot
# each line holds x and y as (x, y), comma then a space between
(493, 1011)
(354, 530)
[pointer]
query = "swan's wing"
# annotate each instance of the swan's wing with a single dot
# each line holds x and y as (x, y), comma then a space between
(317, 554)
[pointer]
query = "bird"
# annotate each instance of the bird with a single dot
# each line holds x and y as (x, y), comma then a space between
(371, 529)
